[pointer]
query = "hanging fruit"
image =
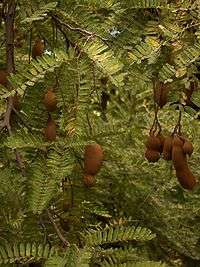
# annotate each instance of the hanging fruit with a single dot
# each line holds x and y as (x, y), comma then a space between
(89, 180)
(154, 147)
(183, 173)
(152, 155)
(50, 130)
(3, 77)
(188, 148)
(50, 100)
(167, 148)
(93, 159)
(38, 48)
(160, 93)
(16, 102)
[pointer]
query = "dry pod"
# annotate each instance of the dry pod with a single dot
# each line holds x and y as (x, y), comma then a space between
(50, 130)
(177, 141)
(162, 141)
(38, 48)
(16, 102)
(188, 148)
(152, 155)
(183, 173)
(154, 143)
(89, 180)
(167, 148)
(160, 93)
(3, 77)
(93, 159)
(50, 100)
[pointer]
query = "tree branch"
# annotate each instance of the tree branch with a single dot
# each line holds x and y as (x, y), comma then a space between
(77, 29)
(65, 242)
(9, 18)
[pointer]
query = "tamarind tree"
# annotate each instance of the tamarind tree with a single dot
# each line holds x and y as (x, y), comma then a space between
(82, 83)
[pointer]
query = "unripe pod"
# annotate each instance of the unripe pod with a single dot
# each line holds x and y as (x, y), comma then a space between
(89, 180)
(50, 100)
(50, 130)
(93, 159)
(3, 77)
(167, 148)
(183, 173)
(152, 155)
(38, 48)
(154, 143)
(188, 148)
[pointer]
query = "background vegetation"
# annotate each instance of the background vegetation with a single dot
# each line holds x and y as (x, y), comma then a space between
(102, 58)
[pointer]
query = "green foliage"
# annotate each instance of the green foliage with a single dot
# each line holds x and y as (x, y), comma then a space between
(41, 13)
(101, 58)
(112, 235)
(21, 252)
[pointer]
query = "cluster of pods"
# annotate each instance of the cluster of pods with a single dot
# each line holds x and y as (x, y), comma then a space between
(175, 148)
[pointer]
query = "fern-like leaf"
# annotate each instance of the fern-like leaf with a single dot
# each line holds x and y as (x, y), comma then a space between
(35, 72)
(41, 13)
(138, 264)
(24, 252)
(116, 234)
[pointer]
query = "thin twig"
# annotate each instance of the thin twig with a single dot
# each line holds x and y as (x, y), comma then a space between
(77, 29)
(9, 18)
(65, 242)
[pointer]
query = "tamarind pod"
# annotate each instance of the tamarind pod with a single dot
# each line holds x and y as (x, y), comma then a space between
(89, 180)
(93, 159)
(179, 158)
(183, 173)
(178, 141)
(167, 148)
(152, 155)
(16, 102)
(162, 141)
(186, 178)
(161, 93)
(3, 77)
(50, 100)
(154, 143)
(38, 48)
(188, 148)
(50, 130)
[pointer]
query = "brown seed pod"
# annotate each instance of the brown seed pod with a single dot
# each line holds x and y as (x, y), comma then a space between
(93, 159)
(16, 102)
(154, 143)
(188, 148)
(38, 48)
(177, 141)
(167, 148)
(3, 77)
(183, 173)
(152, 155)
(50, 100)
(89, 180)
(50, 130)
(160, 93)
(162, 141)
